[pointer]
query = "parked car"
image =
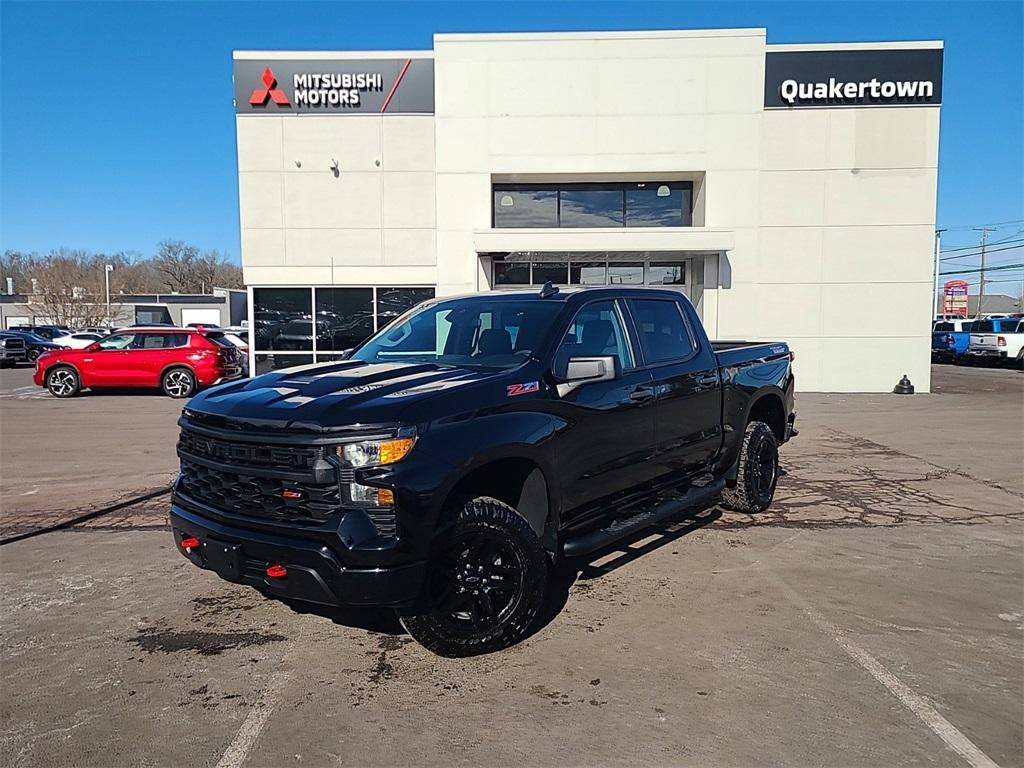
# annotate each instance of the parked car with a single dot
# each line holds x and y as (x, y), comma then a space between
(97, 330)
(79, 340)
(1005, 344)
(36, 345)
(48, 332)
(950, 339)
(178, 360)
(456, 455)
(12, 350)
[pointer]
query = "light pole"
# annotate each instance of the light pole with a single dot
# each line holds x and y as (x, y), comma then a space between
(108, 268)
(938, 240)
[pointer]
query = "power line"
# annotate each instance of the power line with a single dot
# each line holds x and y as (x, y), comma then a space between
(984, 269)
(975, 247)
(978, 252)
(992, 225)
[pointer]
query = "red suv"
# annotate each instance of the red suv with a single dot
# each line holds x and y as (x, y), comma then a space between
(178, 360)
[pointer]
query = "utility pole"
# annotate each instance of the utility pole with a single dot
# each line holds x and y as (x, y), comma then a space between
(981, 284)
(938, 239)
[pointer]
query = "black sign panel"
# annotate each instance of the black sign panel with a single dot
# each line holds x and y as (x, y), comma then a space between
(334, 86)
(909, 77)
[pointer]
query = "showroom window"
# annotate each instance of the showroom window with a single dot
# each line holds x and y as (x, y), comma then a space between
(534, 268)
(618, 204)
(299, 326)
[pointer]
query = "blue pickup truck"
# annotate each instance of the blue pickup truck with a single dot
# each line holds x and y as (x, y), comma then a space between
(950, 339)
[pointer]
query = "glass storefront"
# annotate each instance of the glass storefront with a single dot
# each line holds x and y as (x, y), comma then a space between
(295, 326)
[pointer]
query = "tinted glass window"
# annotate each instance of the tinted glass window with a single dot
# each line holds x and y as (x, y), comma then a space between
(663, 334)
(117, 341)
(666, 274)
(160, 340)
(467, 333)
(656, 204)
(392, 302)
(273, 308)
(629, 273)
(982, 326)
(596, 331)
(940, 327)
(555, 272)
(152, 315)
(511, 273)
(267, 363)
(590, 208)
(525, 207)
(588, 272)
(345, 317)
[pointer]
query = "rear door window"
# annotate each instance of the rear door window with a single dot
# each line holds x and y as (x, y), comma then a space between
(663, 332)
(160, 340)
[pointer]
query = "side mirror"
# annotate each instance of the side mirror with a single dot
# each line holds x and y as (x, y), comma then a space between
(94, 347)
(347, 353)
(586, 370)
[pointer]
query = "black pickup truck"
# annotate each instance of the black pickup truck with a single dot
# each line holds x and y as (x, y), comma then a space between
(457, 454)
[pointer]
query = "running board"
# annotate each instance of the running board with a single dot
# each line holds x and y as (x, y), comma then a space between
(585, 543)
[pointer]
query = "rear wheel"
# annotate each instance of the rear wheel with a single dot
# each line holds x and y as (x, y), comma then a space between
(485, 584)
(63, 381)
(757, 473)
(178, 382)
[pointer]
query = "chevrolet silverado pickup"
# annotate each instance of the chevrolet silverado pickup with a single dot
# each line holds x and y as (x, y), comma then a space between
(456, 455)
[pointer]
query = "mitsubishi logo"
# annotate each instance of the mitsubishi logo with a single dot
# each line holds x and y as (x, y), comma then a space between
(271, 91)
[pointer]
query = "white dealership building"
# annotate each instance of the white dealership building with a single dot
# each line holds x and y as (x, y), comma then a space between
(788, 190)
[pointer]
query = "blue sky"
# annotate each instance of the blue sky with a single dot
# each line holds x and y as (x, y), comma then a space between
(118, 131)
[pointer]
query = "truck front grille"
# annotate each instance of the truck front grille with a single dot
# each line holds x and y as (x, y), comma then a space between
(259, 496)
(289, 457)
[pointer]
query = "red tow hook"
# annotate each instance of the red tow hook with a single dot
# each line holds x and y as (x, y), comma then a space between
(189, 543)
(277, 572)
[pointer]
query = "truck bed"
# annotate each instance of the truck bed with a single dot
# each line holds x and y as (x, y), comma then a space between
(739, 352)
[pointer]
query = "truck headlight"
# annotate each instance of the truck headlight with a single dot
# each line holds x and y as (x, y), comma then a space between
(375, 453)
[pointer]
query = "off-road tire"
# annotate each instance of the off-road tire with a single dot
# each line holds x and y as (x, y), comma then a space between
(759, 453)
(443, 631)
(178, 382)
(63, 381)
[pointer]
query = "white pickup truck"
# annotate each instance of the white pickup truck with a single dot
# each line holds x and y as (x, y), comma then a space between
(1005, 343)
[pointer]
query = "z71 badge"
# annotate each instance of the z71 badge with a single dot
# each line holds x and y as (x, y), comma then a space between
(522, 389)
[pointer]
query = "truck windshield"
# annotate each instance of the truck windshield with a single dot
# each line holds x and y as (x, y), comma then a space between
(470, 333)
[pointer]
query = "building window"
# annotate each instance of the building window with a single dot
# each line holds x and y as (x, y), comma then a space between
(295, 326)
(150, 315)
(590, 206)
(523, 268)
(629, 204)
(345, 316)
(525, 206)
(659, 204)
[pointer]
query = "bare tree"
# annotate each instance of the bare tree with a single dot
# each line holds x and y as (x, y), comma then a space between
(69, 290)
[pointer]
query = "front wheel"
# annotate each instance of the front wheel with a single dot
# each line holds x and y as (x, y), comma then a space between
(33, 355)
(485, 584)
(178, 382)
(757, 473)
(63, 381)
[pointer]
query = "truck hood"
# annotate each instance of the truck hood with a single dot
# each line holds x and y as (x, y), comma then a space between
(323, 398)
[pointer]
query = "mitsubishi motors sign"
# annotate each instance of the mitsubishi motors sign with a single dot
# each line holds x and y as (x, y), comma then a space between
(334, 86)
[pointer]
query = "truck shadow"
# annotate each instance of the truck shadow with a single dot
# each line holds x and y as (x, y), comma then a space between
(606, 560)
(560, 581)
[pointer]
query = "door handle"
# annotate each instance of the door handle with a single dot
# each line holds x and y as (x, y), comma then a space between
(641, 394)
(708, 380)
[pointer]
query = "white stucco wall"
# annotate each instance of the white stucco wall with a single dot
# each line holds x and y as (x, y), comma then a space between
(825, 217)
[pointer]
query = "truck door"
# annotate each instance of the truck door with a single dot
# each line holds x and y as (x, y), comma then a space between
(604, 452)
(684, 373)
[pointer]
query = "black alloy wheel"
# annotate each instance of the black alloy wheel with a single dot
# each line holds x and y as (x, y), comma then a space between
(485, 583)
(757, 471)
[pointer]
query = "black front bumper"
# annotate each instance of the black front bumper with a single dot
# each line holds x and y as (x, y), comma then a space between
(315, 573)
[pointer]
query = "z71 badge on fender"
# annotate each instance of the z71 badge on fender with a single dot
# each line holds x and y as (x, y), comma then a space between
(522, 389)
